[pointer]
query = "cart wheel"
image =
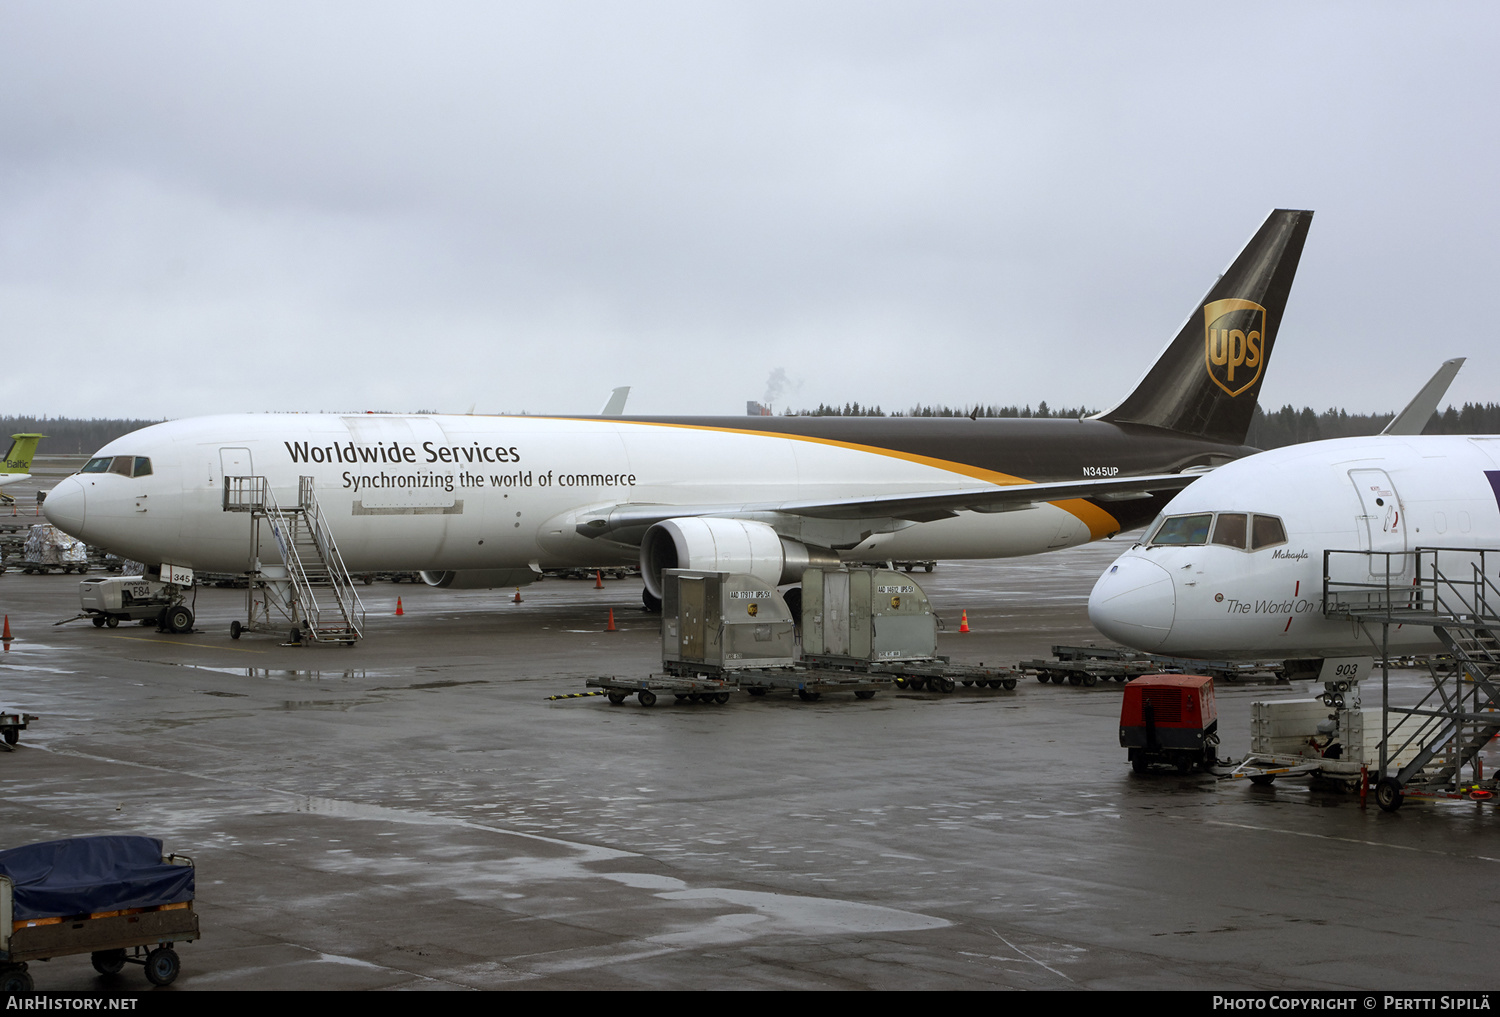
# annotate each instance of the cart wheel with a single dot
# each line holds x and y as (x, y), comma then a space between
(1010, 685)
(1042, 677)
(646, 697)
(235, 628)
(1262, 780)
(1184, 764)
(919, 684)
(756, 692)
(10, 734)
(98, 621)
(112, 622)
(1090, 680)
(1388, 794)
(1074, 679)
(864, 694)
(108, 962)
(16, 980)
(901, 683)
(1058, 678)
(808, 697)
(1139, 765)
(616, 698)
(178, 619)
(162, 966)
(721, 698)
(967, 683)
(944, 685)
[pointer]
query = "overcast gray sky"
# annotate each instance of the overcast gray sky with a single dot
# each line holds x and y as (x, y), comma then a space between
(347, 206)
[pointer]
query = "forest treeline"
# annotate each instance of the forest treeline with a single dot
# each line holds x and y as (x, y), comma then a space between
(67, 435)
(1286, 426)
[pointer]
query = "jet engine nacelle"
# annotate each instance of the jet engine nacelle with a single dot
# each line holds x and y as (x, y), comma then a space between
(725, 545)
(479, 579)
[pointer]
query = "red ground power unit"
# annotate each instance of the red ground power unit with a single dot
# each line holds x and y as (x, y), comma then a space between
(1170, 719)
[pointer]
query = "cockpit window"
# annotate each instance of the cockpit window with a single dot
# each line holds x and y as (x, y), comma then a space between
(1240, 530)
(1266, 531)
(1230, 530)
(1177, 531)
(125, 466)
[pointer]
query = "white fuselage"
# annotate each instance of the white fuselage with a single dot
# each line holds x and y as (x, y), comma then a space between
(470, 492)
(1383, 493)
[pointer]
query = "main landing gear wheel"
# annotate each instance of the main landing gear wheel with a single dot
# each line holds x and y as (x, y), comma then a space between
(1388, 794)
(162, 966)
(108, 962)
(177, 619)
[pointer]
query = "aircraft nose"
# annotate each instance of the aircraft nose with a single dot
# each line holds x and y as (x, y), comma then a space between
(1134, 603)
(64, 506)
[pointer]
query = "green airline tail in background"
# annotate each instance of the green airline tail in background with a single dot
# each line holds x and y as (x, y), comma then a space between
(18, 459)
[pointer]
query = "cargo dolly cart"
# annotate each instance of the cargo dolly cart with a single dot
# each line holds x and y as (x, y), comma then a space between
(812, 683)
(1172, 720)
(1088, 672)
(12, 723)
(941, 675)
(695, 689)
(118, 899)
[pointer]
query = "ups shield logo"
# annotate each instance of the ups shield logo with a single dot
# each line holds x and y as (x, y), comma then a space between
(1233, 342)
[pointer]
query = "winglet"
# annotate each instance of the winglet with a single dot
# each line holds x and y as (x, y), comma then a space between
(1420, 410)
(616, 404)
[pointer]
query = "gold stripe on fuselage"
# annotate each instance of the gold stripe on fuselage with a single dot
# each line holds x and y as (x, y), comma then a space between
(1100, 523)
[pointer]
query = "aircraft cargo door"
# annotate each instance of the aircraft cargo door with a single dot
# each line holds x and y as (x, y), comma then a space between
(1382, 522)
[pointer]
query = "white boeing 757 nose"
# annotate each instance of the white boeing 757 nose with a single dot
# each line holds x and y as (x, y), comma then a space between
(1134, 603)
(65, 505)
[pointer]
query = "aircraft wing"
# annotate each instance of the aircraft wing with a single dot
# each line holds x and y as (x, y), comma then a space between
(923, 507)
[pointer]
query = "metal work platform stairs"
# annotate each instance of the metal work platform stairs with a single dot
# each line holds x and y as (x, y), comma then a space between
(1450, 590)
(311, 560)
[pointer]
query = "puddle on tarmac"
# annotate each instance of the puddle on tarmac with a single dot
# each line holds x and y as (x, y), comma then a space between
(276, 674)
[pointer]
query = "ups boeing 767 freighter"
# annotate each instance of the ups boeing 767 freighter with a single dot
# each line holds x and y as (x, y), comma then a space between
(489, 501)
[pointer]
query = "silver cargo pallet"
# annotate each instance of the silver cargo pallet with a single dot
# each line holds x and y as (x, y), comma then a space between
(689, 689)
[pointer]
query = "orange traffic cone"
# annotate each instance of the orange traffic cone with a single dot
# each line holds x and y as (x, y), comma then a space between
(399, 612)
(963, 623)
(611, 626)
(598, 579)
(6, 636)
(517, 599)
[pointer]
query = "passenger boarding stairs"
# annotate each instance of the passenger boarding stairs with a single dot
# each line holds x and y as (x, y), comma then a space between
(322, 605)
(1453, 591)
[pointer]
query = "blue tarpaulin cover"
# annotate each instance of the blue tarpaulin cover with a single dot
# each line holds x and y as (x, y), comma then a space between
(84, 875)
